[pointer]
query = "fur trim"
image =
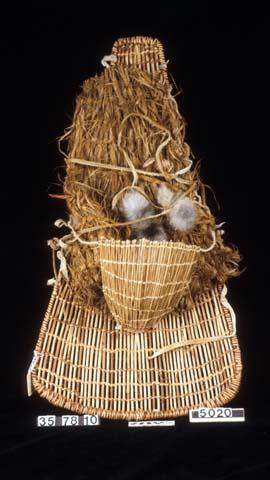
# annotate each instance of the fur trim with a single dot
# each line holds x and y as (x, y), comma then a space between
(183, 215)
(164, 195)
(134, 206)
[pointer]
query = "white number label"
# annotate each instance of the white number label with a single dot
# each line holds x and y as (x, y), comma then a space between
(91, 420)
(46, 421)
(220, 414)
(215, 412)
(70, 420)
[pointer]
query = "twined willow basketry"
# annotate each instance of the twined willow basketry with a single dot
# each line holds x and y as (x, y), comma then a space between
(88, 366)
(143, 280)
(134, 329)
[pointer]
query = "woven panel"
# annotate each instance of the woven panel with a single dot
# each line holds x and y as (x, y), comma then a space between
(142, 280)
(145, 53)
(88, 366)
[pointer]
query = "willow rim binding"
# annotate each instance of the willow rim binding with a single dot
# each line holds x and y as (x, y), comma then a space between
(148, 345)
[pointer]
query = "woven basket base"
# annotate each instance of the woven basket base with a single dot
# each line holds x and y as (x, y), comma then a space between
(89, 367)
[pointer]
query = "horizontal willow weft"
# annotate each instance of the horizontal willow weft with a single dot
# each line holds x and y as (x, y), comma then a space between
(88, 366)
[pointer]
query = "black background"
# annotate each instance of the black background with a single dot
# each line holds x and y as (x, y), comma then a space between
(219, 53)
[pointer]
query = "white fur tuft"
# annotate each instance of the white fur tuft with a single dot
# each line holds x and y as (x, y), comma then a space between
(164, 195)
(182, 217)
(133, 205)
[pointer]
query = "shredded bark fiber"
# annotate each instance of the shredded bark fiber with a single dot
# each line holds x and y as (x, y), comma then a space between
(128, 125)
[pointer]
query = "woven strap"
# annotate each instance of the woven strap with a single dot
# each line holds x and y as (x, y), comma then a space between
(36, 357)
(201, 341)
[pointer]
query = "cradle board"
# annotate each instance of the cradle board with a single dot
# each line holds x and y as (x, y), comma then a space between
(89, 367)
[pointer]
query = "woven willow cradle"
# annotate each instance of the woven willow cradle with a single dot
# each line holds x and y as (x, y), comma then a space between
(138, 357)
